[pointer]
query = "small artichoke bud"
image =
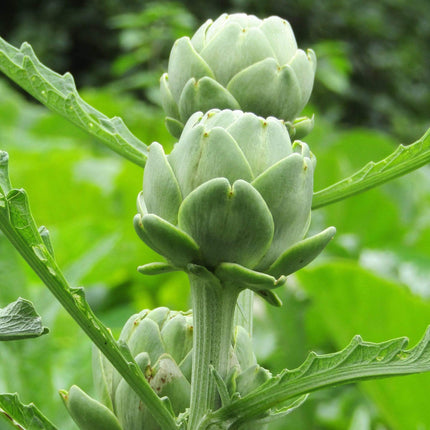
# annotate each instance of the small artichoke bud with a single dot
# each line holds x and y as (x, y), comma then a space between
(237, 62)
(300, 127)
(167, 369)
(233, 196)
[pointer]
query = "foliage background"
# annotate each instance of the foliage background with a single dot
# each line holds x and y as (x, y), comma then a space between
(372, 92)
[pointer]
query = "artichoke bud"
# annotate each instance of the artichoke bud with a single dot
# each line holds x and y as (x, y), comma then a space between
(233, 196)
(161, 343)
(237, 62)
(300, 127)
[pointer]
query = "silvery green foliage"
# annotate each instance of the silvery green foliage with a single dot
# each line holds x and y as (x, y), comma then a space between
(234, 196)
(240, 62)
(20, 320)
(161, 342)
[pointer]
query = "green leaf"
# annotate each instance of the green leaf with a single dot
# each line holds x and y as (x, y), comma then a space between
(360, 360)
(21, 218)
(221, 386)
(59, 93)
(251, 378)
(17, 223)
(44, 234)
(403, 160)
(24, 417)
(270, 297)
(344, 299)
(5, 184)
(19, 320)
(286, 410)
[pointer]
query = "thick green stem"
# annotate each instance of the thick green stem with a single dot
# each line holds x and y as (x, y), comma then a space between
(243, 314)
(213, 315)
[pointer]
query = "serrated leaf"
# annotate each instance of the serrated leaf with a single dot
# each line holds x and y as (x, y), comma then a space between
(19, 320)
(368, 307)
(5, 184)
(23, 417)
(18, 225)
(360, 360)
(403, 160)
(21, 219)
(46, 238)
(59, 93)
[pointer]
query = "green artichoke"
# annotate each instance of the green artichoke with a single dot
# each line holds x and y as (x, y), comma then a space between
(161, 343)
(233, 196)
(238, 62)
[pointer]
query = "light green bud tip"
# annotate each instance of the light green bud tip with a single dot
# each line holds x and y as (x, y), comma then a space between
(235, 197)
(237, 62)
(88, 413)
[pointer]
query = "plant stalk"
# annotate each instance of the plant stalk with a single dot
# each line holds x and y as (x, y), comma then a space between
(213, 315)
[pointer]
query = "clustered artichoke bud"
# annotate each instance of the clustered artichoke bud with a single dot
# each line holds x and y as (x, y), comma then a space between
(239, 62)
(161, 343)
(233, 196)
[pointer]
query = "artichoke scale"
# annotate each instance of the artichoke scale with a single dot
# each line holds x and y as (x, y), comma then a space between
(230, 223)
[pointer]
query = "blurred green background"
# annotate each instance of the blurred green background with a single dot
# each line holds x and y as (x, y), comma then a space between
(372, 92)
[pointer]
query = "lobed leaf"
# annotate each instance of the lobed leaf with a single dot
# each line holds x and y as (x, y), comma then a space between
(403, 160)
(19, 320)
(59, 93)
(23, 417)
(18, 225)
(360, 360)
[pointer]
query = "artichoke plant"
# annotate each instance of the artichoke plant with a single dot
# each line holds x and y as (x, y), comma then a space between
(234, 196)
(230, 206)
(161, 342)
(240, 62)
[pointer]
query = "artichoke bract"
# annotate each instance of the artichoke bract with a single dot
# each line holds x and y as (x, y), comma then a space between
(240, 62)
(233, 196)
(161, 342)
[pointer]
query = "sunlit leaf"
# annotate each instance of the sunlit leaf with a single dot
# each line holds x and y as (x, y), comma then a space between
(59, 93)
(403, 160)
(360, 360)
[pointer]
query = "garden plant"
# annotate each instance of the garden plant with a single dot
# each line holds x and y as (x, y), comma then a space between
(231, 207)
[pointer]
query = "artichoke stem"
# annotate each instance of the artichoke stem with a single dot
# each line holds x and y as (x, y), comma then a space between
(244, 308)
(213, 315)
